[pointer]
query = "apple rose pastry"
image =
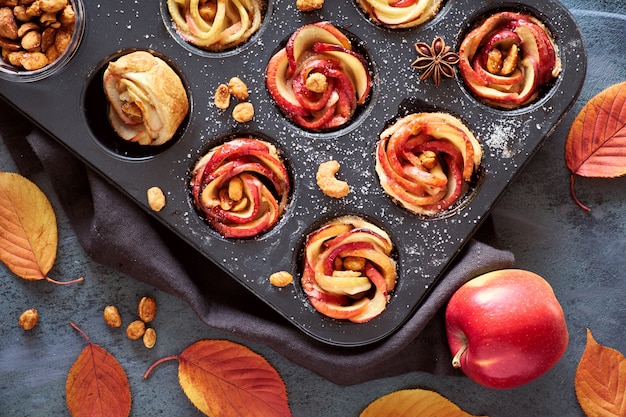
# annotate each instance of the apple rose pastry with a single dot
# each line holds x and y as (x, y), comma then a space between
(348, 269)
(241, 186)
(147, 99)
(216, 25)
(317, 79)
(507, 59)
(425, 160)
(400, 13)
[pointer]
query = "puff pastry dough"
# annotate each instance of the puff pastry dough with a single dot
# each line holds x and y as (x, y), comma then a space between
(148, 101)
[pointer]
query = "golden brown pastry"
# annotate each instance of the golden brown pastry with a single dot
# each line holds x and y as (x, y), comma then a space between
(147, 98)
(400, 13)
(241, 187)
(424, 161)
(349, 272)
(216, 25)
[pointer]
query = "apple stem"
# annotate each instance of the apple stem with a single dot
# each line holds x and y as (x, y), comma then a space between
(456, 360)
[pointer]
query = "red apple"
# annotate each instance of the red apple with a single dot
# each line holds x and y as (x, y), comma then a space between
(505, 328)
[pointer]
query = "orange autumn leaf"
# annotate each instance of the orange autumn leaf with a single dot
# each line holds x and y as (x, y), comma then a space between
(28, 229)
(226, 379)
(96, 384)
(596, 142)
(413, 403)
(600, 380)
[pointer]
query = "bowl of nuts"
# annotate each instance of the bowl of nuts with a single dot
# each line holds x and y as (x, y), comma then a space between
(38, 37)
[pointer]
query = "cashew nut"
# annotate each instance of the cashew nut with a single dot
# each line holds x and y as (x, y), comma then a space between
(327, 182)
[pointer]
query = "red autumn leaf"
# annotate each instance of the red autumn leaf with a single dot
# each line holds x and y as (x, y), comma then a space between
(226, 379)
(596, 143)
(97, 385)
(600, 380)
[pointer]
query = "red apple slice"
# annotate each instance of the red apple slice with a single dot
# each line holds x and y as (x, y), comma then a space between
(355, 66)
(403, 13)
(305, 37)
(279, 87)
(402, 3)
(343, 285)
(379, 302)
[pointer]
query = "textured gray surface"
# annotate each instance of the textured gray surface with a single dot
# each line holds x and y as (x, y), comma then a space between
(581, 254)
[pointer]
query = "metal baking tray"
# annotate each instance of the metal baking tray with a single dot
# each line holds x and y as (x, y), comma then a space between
(71, 107)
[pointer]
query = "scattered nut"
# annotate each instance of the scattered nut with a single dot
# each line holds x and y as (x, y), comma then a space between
(327, 182)
(243, 112)
(309, 5)
(149, 338)
(222, 97)
(494, 61)
(146, 309)
(136, 329)
(8, 26)
(510, 62)
(207, 10)
(316, 82)
(112, 316)
(32, 61)
(28, 319)
(235, 189)
(503, 62)
(238, 88)
(52, 6)
(354, 263)
(428, 159)
(281, 279)
(156, 198)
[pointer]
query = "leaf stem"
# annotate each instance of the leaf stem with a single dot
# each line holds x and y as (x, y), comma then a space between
(74, 281)
(573, 192)
(154, 365)
(80, 331)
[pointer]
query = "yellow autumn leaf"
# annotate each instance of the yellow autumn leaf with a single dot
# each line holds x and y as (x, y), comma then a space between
(28, 228)
(600, 380)
(413, 403)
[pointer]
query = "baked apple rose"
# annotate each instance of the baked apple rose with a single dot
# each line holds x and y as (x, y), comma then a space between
(216, 25)
(348, 269)
(508, 58)
(317, 79)
(241, 186)
(400, 13)
(147, 99)
(425, 160)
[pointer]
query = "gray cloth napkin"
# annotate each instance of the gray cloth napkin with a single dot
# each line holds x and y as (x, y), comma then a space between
(111, 228)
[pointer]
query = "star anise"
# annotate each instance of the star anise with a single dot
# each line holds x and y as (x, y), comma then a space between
(435, 60)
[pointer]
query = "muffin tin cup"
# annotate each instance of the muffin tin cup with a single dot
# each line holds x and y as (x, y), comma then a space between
(424, 247)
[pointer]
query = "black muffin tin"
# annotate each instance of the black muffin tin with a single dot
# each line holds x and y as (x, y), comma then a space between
(71, 107)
